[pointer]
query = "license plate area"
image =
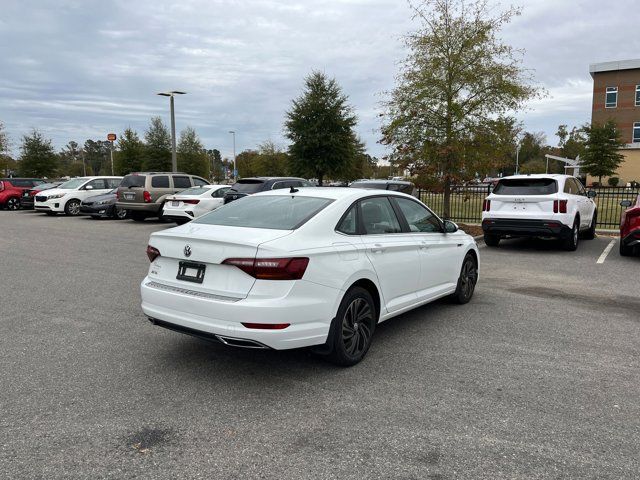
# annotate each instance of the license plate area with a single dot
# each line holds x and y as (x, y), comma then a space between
(191, 272)
(129, 196)
(174, 203)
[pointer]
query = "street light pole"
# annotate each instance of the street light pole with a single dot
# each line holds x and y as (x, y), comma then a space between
(235, 168)
(174, 157)
(517, 158)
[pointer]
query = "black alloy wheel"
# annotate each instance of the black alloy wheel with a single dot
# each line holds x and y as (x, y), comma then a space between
(120, 213)
(571, 243)
(467, 280)
(13, 204)
(352, 329)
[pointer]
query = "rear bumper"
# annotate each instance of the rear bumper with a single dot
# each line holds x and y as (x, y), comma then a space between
(150, 208)
(517, 227)
(308, 309)
(632, 239)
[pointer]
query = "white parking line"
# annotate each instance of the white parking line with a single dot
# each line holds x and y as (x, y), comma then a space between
(606, 251)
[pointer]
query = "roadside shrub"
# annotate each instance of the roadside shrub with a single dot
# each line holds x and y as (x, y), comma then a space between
(613, 181)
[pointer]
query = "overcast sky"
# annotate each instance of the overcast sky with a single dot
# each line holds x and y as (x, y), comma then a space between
(79, 69)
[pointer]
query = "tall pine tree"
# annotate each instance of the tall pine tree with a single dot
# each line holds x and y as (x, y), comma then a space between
(37, 156)
(130, 153)
(601, 157)
(157, 151)
(192, 157)
(320, 125)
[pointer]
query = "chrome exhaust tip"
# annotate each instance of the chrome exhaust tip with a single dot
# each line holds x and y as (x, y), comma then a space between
(241, 342)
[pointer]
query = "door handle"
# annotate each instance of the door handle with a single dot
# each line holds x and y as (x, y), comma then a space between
(377, 248)
(423, 246)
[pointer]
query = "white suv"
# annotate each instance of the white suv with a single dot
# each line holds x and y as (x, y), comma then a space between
(539, 206)
(68, 196)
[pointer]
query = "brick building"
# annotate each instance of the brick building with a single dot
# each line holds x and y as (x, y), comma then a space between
(616, 96)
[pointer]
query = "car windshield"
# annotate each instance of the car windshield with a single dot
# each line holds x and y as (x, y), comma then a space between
(133, 181)
(45, 186)
(274, 212)
(74, 183)
(247, 186)
(526, 186)
(378, 186)
(194, 191)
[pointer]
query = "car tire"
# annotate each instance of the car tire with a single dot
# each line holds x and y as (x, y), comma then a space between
(571, 244)
(120, 213)
(352, 330)
(467, 280)
(491, 240)
(13, 204)
(591, 233)
(624, 250)
(72, 208)
(138, 216)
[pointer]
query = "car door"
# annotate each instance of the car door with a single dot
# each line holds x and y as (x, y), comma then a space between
(440, 253)
(392, 252)
(97, 186)
(587, 206)
(217, 197)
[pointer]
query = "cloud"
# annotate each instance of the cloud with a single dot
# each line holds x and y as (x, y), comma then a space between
(80, 69)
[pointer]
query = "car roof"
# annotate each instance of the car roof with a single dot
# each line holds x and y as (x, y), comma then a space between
(554, 176)
(335, 193)
(388, 182)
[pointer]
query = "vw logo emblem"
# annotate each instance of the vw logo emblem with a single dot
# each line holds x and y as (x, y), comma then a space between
(187, 251)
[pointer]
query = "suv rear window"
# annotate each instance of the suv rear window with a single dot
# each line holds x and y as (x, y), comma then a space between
(133, 181)
(273, 212)
(247, 186)
(526, 186)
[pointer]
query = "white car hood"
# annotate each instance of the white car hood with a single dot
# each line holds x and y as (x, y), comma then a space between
(54, 191)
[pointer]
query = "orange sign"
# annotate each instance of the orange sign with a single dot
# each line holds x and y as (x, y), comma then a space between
(111, 137)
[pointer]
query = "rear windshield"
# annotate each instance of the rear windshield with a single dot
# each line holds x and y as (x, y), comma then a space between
(133, 181)
(274, 212)
(526, 186)
(379, 186)
(194, 191)
(247, 186)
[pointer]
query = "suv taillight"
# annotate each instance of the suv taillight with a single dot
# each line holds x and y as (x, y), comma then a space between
(271, 268)
(560, 206)
(486, 205)
(147, 196)
(1, 185)
(152, 253)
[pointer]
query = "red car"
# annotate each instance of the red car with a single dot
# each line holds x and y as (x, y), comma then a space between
(11, 189)
(630, 227)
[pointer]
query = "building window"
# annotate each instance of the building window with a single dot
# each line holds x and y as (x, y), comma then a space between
(636, 132)
(611, 100)
(637, 95)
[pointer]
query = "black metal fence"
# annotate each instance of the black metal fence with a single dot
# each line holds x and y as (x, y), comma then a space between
(466, 203)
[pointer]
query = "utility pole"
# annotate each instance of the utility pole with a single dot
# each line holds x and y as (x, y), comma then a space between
(235, 168)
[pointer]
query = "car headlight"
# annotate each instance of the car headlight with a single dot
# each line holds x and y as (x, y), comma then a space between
(104, 202)
(58, 195)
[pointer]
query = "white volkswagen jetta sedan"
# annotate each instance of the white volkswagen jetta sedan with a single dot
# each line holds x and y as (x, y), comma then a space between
(310, 267)
(193, 202)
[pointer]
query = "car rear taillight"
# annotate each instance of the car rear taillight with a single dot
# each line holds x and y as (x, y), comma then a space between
(1, 185)
(486, 205)
(266, 326)
(560, 206)
(147, 196)
(271, 268)
(192, 202)
(117, 195)
(152, 253)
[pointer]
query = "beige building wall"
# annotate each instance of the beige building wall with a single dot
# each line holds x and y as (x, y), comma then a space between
(628, 171)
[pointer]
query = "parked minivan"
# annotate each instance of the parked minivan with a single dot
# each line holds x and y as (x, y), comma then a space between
(68, 196)
(143, 194)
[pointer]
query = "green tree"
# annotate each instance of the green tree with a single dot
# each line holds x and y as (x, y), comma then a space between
(247, 163)
(601, 156)
(320, 126)
(70, 160)
(271, 161)
(457, 75)
(192, 157)
(217, 165)
(157, 152)
(130, 153)
(97, 156)
(7, 163)
(571, 143)
(37, 156)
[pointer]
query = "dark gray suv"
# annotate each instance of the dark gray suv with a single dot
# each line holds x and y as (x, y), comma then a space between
(143, 194)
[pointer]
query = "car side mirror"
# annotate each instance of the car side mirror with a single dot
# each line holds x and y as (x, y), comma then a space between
(450, 227)
(625, 203)
(591, 194)
(89, 187)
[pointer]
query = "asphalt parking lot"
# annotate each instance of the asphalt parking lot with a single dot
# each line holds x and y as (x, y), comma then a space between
(537, 377)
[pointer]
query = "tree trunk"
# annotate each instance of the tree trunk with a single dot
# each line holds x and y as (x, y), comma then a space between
(446, 200)
(320, 179)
